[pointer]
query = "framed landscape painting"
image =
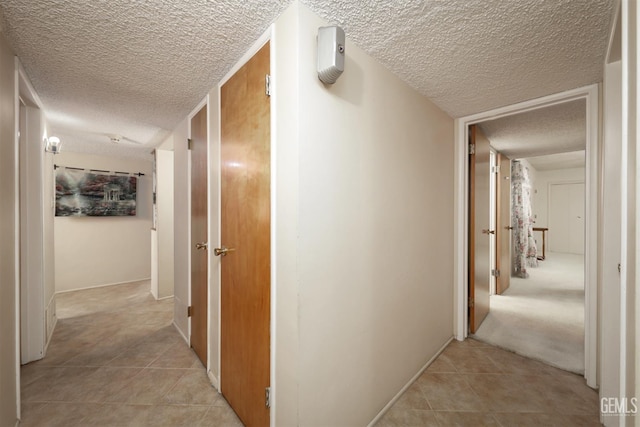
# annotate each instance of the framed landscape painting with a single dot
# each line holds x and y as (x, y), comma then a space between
(80, 193)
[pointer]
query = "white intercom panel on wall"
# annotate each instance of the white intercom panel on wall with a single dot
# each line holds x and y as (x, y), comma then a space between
(330, 53)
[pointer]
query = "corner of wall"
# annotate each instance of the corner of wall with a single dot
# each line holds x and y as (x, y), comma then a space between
(51, 319)
(285, 158)
(382, 151)
(9, 349)
(181, 277)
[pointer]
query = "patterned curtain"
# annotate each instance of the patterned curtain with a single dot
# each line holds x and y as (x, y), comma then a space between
(522, 217)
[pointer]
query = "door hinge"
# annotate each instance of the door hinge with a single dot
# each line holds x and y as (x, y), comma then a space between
(189, 311)
(267, 397)
(495, 273)
(472, 149)
(495, 169)
(470, 302)
(267, 84)
(189, 143)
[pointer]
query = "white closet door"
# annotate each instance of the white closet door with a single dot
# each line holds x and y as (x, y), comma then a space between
(566, 218)
(576, 218)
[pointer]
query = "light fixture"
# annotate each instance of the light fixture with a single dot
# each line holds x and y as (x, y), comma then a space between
(52, 144)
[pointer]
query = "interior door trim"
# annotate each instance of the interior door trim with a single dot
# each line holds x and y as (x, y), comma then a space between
(214, 159)
(591, 96)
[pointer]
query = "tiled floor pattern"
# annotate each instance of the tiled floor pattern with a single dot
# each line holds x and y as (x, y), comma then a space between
(475, 384)
(116, 360)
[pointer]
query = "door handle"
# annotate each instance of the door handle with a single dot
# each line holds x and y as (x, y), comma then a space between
(222, 251)
(488, 231)
(508, 227)
(202, 245)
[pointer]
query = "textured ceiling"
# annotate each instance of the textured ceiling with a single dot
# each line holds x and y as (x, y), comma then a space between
(132, 68)
(574, 159)
(470, 56)
(560, 128)
(137, 68)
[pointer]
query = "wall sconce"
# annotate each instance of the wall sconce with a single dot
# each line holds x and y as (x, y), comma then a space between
(52, 144)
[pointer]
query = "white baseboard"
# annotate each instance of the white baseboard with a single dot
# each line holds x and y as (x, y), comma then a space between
(103, 285)
(214, 381)
(180, 332)
(51, 320)
(407, 385)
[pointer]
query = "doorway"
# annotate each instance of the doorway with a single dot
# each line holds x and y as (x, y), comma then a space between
(590, 96)
(245, 247)
(541, 315)
(199, 234)
(37, 296)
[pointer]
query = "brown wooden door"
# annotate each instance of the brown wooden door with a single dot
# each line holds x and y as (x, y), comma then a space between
(479, 228)
(199, 233)
(503, 221)
(245, 231)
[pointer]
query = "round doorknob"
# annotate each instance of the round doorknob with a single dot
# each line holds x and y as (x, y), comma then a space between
(488, 231)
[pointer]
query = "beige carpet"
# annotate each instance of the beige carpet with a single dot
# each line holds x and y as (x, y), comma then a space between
(542, 317)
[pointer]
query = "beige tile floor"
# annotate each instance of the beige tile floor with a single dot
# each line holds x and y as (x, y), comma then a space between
(475, 384)
(116, 360)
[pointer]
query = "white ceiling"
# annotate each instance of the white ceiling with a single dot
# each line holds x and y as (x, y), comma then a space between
(574, 159)
(556, 129)
(137, 68)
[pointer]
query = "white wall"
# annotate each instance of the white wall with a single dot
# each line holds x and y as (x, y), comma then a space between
(630, 231)
(285, 169)
(8, 234)
(97, 251)
(48, 204)
(541, 197)
(611, 239)
(181, 228)
(164, 200)
(541, 190)
(33, 322)
(374, 194)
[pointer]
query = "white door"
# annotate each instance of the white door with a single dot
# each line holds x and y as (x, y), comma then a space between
(566, 218)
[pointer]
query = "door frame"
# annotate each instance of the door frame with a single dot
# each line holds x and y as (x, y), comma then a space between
(35, 328)
(215, 206)
(196, 110)
(203, 103)
(592, 176)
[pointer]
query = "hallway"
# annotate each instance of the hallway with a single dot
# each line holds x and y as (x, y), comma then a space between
(116, 360)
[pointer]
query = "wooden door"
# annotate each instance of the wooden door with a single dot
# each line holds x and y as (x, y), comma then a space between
(479, 228)
(503, 221)
(245, 231)
(199, 233)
